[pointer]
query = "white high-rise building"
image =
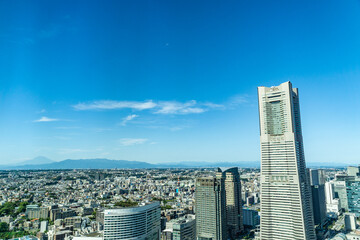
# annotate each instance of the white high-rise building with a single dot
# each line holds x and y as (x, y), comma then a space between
(329, 192)
(286, 205)
(133, 223)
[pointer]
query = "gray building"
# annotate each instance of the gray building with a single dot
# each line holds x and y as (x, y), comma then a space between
(341, 194)
(317, 177)
(319, 206)
(183, 228)
(317, 181)
(251, 217)
(233, 199)
(286, 204)
(210, 208)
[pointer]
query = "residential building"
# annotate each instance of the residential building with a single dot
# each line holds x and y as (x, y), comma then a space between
(34, 211)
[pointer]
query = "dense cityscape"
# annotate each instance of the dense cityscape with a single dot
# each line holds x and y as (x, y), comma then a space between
(285, 200)
(68, 204)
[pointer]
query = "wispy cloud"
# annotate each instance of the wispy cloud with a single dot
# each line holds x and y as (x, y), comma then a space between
(132, 141)
(237, 100)
(107, 105)
(46, 119)
(128, 118)
(173, 107)
(160, 107)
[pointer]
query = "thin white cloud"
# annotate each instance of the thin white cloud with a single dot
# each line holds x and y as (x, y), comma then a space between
(213, 105)
(237, 100)
(132, 141)
(173, 107)
(128, 118)
(161, 107)
(107, 105)
(46, 119)
(174, 129)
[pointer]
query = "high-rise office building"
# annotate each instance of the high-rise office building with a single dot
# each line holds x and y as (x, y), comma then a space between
(319, 206)
(317, 182)
(353, 196)
(142, 223)
(317, 177)
(286, 204)
(233, 199)
(210, 208)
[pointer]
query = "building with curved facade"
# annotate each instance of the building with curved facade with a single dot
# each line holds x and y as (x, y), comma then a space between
(135, 223)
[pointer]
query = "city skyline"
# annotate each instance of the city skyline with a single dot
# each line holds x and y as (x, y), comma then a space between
(177, 83)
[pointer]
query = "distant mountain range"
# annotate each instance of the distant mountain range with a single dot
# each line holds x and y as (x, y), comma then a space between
(35, 161)
(103, 163)
(81, 164)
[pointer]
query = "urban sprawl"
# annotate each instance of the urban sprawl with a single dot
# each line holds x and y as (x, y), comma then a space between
(283, 201)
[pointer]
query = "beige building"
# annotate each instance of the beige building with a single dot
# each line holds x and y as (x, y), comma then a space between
(210, 209)
(286, 204)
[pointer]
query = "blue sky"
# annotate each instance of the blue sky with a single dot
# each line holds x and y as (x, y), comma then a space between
(172, 81)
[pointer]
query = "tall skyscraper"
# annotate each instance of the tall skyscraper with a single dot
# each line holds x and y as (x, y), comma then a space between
(286, 205)
(210, 208)
(141, 223)
(317, 182)
(233, 199)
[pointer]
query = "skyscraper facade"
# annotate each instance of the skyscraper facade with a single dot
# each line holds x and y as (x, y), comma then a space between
(317, 182)
(210, 208)
(233, 199)
(141, 223)
(286, 205)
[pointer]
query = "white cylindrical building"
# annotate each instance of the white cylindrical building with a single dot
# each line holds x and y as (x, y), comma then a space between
(135, 223)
